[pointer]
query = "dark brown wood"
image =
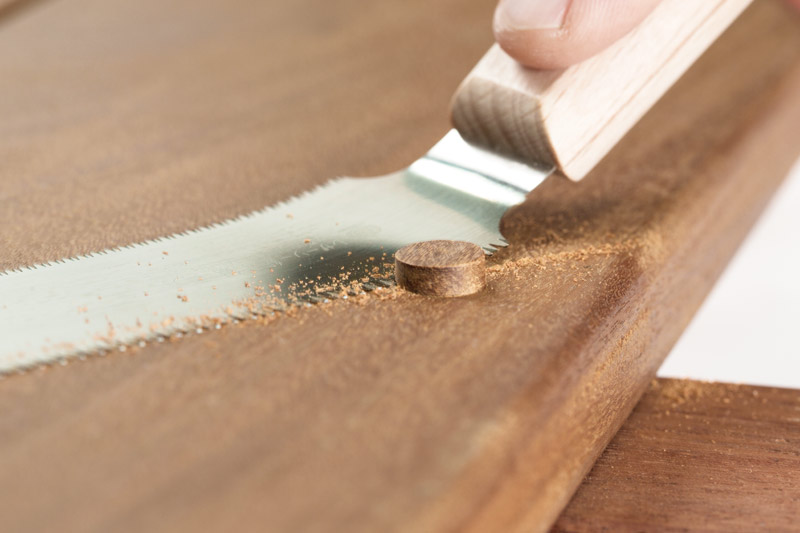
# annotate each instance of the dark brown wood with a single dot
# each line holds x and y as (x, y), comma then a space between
(441, 268)
(128, 120)
(697, 457)
(112, 134)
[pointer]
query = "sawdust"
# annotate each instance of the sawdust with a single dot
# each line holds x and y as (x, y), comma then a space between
(572, 263)
(681, 396)
(370, 280)
(681, 392)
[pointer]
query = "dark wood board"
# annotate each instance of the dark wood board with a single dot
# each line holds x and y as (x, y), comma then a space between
(129, 120)
(697, 457)
(392, 412)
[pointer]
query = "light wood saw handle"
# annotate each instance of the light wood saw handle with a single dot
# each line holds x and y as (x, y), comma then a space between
(570, 119)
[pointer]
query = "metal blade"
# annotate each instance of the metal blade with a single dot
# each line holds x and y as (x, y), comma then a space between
(331, 242)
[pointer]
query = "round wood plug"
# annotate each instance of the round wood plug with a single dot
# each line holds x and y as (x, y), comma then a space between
(441, 268)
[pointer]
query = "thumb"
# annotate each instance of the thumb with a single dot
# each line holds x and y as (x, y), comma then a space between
(557, 33)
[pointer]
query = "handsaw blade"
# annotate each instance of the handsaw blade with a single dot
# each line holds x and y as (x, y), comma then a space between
(330, 242)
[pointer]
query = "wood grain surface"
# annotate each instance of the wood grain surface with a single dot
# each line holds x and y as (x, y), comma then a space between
(697, 457)
(482, 413)
(138, 119)
(441, 268)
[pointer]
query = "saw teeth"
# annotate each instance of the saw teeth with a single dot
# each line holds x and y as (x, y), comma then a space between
(214, 259)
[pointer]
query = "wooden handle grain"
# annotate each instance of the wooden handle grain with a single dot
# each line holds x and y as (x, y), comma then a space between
(570, 119)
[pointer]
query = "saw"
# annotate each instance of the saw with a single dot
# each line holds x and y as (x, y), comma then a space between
(513, 128)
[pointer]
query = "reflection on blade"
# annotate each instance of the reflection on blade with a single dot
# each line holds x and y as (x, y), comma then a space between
(331, 242)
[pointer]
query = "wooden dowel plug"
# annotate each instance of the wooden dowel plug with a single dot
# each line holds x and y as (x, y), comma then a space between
(441, 268)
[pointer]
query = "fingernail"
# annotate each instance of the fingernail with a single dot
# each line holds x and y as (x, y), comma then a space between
(531, 14)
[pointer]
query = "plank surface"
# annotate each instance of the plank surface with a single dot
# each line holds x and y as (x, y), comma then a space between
(388, 412)
(697, 456)
(138, 119)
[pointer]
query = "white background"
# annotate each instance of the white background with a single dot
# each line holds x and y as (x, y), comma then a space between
(748, 329)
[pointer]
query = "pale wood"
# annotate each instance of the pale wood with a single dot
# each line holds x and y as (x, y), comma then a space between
(570, 119)
(441, 268)
(380, 413)
(693, 456)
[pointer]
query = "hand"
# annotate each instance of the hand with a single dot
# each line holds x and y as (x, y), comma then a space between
(552, 34)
